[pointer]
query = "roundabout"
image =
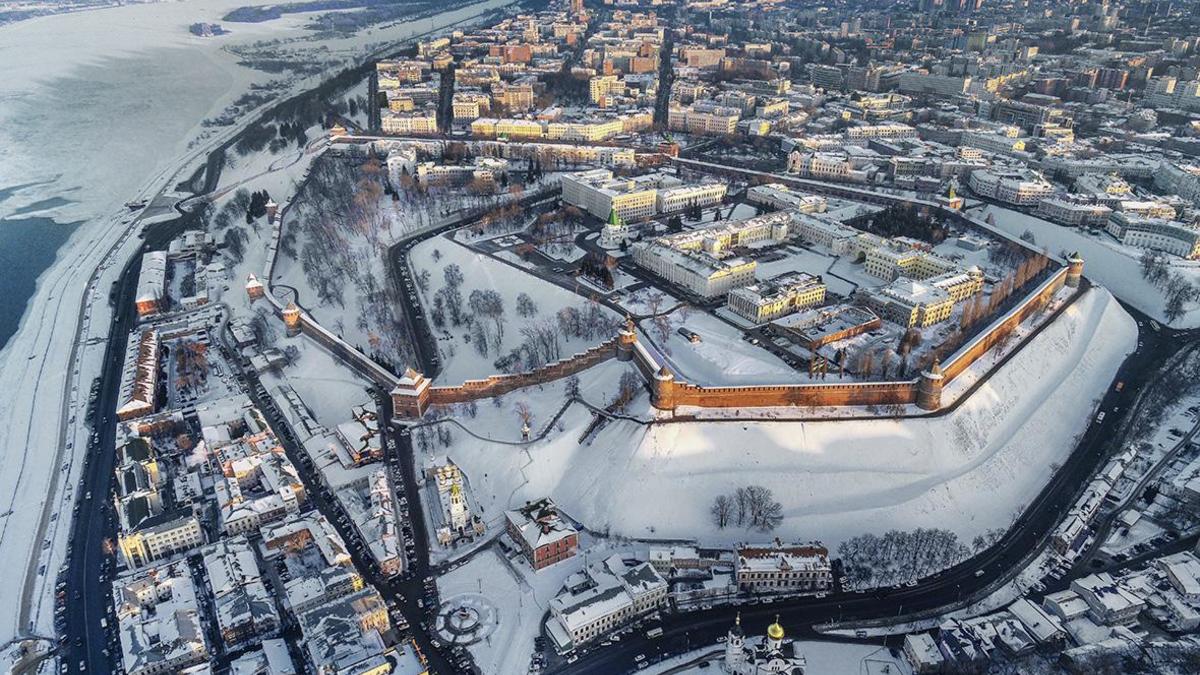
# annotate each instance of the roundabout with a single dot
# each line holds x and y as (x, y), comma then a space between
(466, 619)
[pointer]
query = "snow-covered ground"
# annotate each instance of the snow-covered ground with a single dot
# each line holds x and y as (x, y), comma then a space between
(514, 598)
(98, 108)
(460, 359)
(1106, 261)
(721, 357)
(970, 470)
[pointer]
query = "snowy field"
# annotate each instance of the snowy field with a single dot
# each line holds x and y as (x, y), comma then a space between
(84, 129)
(970, 470)
(1106, 262)
(460, 359)
(721, 357)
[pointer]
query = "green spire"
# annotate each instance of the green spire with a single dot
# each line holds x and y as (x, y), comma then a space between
(614, 219)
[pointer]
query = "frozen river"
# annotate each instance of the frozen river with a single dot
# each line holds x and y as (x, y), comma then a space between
(94, 104)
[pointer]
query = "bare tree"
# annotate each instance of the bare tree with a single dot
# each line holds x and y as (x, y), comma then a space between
(526, 307)
(722, 510)
(524, 413)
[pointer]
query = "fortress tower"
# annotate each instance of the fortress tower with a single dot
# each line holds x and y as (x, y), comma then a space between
(626, 337)
(410, 397)
(1074, 270)
(662, 393)
(929, 387)
(291, 319)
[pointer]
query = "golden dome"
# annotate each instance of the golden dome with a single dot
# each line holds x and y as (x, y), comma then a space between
(775, 631)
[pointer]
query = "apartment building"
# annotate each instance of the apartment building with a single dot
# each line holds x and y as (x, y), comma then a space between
(1074, 212)
(1013, 186)
(870, 131)
(1168, 236)
(703, 118)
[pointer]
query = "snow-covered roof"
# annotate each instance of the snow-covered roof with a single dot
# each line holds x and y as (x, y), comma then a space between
(1040, 624)
(779, 557)
(539, 523)
(158, 618)
(152, 279)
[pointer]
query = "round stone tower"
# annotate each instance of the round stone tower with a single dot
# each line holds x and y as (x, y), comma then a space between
(1074, 270)
(929, 387)
(662, 395)
(291, 319)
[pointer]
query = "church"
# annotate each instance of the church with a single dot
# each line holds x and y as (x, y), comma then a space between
(772, 655)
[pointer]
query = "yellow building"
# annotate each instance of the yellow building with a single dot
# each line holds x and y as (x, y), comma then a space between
(787, 293)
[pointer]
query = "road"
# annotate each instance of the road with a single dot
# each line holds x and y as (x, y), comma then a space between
(403, 592)
(87, 594)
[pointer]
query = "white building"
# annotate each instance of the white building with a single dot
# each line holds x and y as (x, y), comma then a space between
(1169, 236)
(703, 117)
(1013, 186)
(1074, 212)
(599, 193)
(774, 654)
(414, 123)
(244, 609)
(151, 289)
(607, 596)
(688, 196)
(922, 653)
(826, 166)
(1108, 601)
(158, 620)
(701, 261)
(784, 198)
(1180, 179)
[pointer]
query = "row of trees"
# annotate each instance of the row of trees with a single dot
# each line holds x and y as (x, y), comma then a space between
(899, 556)
(752, 506)
(1178, 293)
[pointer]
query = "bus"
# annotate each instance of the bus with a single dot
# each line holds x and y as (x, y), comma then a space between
(655, 632)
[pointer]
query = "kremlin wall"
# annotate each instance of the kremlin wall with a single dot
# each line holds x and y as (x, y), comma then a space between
(414, 393)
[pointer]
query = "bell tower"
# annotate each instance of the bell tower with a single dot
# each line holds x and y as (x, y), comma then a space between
(735, 654)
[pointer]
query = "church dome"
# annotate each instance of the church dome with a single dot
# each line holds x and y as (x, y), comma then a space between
(775, 631)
